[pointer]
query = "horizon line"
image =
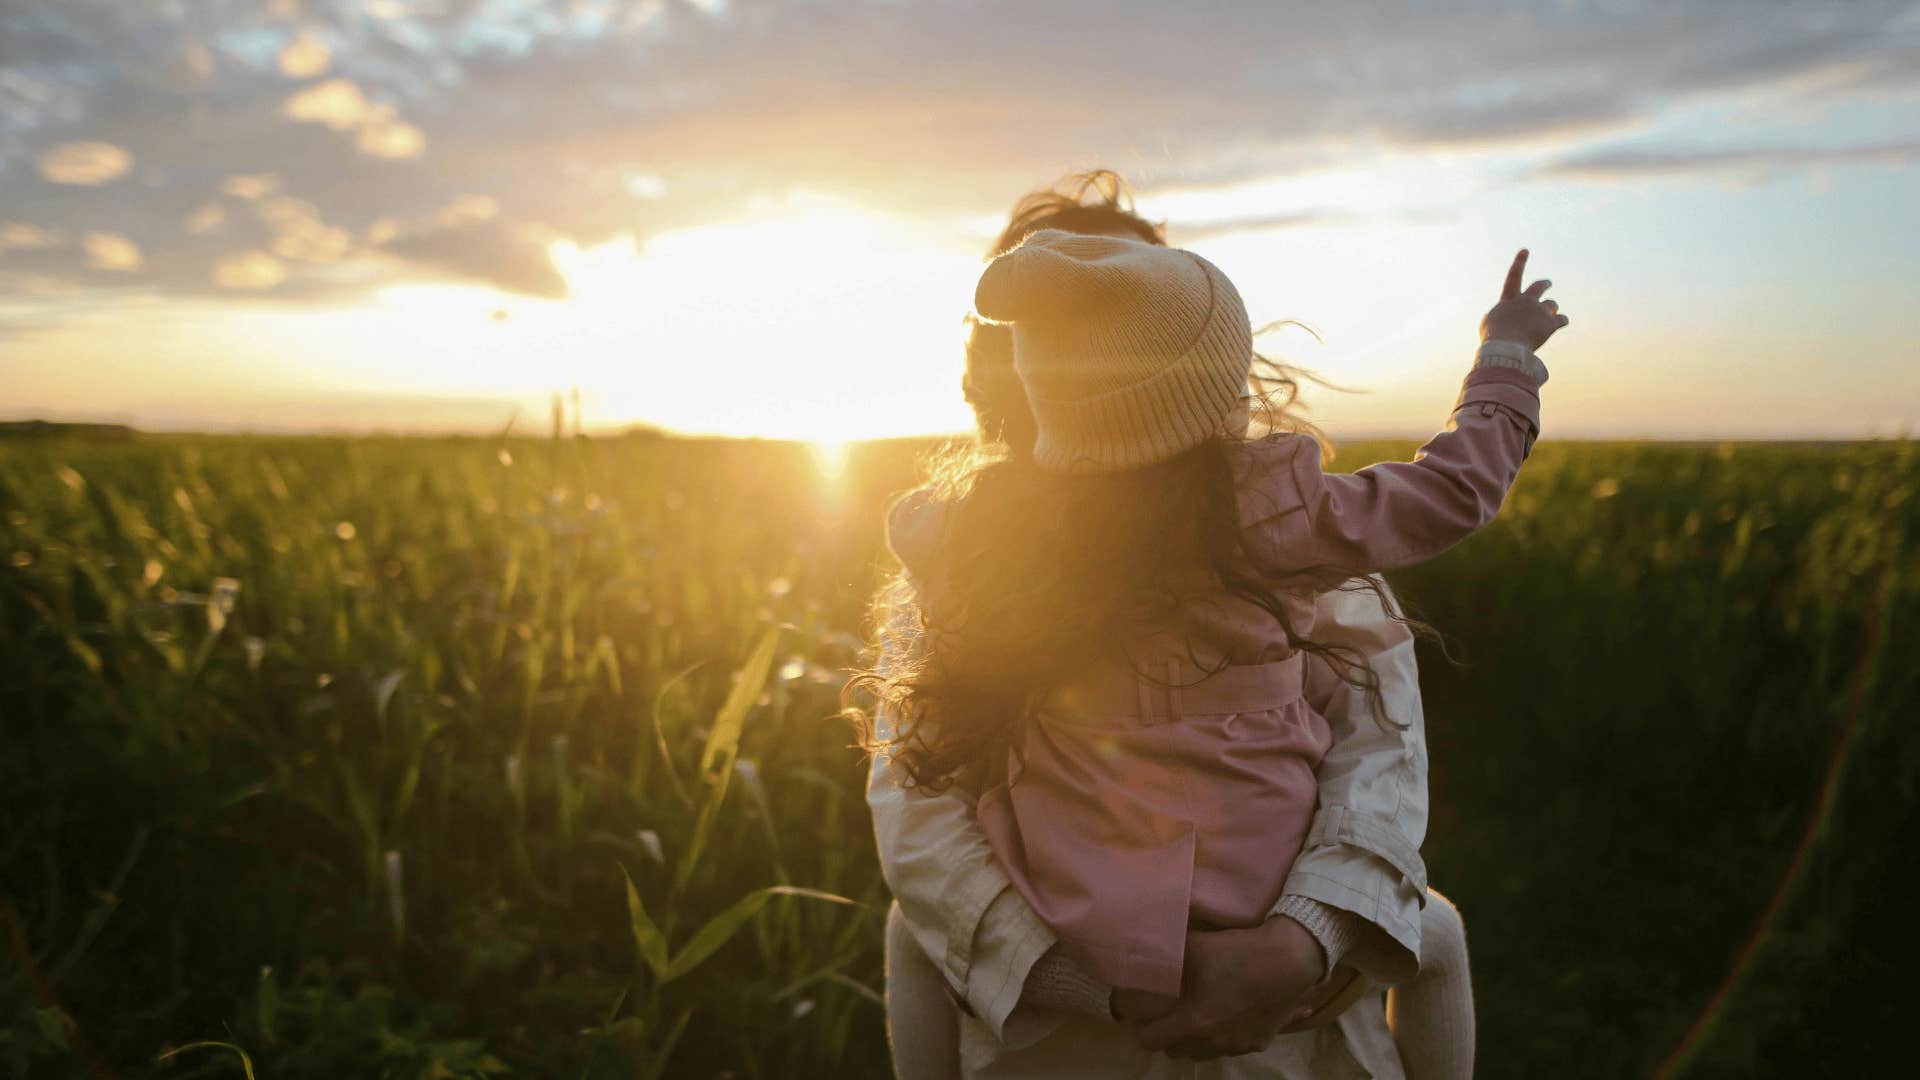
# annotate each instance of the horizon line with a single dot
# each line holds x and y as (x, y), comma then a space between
(21, 426)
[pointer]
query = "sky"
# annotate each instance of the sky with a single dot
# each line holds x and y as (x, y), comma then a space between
(749, 217)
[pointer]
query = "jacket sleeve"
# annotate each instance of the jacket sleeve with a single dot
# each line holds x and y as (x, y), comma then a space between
(959, 904)
(1400, 513)
(1362, 852)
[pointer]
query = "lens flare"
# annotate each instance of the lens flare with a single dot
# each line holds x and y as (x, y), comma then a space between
(829, 458)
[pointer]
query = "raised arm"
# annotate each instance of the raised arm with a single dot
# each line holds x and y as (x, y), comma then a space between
(1404, 512)
(1400, 513)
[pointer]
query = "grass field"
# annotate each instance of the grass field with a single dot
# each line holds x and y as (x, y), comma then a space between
(463, 758)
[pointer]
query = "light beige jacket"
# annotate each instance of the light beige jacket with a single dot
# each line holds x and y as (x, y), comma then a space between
(1362, 855)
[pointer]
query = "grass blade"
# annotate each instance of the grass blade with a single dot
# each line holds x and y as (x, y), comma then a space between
(723, 740)
(723, 745)
(723, 926)
(660, 737)
(246, 1063)
(658, 1068)
(646, 936)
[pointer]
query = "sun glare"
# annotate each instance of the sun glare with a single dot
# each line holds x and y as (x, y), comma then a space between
(810, 319)
(829, 458)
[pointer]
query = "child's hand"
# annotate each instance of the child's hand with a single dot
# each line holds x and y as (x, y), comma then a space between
(1522, 316)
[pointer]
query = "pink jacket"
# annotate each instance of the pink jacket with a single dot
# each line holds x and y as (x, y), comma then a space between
(1148, 801)
(1362, 859)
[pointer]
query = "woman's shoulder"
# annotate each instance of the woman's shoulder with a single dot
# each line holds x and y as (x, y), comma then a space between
(1361, 613)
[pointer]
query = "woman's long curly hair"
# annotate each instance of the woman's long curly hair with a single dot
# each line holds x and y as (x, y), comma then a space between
(1036, 575)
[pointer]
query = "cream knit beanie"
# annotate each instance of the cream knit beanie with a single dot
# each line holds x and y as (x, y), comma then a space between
(1130, 353)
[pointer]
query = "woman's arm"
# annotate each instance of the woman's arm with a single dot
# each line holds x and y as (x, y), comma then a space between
(962, 909)
(1362, 854)
(959, 904)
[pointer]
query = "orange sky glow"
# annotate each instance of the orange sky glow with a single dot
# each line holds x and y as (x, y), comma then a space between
(273, 227)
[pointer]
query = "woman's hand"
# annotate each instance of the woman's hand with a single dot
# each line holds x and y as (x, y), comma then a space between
(1522, 316)
(1318, 1006)
(1139, 1007)
(1241, 987)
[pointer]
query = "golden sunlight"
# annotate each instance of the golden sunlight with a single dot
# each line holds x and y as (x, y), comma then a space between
(806, 318)
(767, 324)
(829, 458)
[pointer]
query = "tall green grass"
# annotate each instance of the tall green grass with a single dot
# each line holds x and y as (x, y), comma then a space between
(466, 758)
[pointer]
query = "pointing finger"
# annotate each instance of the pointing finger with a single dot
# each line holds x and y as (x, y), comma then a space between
(1514, 274)
(1538, 289)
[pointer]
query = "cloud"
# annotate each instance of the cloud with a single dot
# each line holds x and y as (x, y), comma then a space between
(250, 186)
(107, 251)
(469, 208)
(88, 164)
(384, 136)
(16, 328)
(590, 120)
(304, 56)
(1637, 163)
(1184, 234)
(645, 185)
(300, 234)
(250, 270)
(205, 218)
(509, 257)
(338, 104)
(23, 236)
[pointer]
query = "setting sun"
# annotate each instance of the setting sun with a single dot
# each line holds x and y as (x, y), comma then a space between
(830, 458)
(765, 324)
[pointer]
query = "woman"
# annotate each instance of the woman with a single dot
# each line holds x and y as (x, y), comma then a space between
(1354, 899)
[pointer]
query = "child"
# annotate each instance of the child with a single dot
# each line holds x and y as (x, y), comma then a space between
(1123, 675)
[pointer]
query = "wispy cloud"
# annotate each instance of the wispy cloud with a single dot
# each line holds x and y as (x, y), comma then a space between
(1197, 232)
(88, 164)
(513, 257)
(1750, 161)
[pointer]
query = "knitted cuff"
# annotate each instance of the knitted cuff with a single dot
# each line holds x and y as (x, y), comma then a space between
(1055, 982)
(1336, 930)
(1510, 354)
